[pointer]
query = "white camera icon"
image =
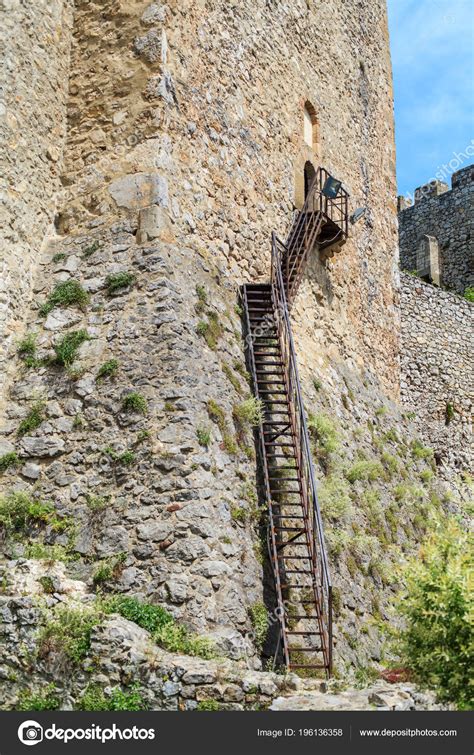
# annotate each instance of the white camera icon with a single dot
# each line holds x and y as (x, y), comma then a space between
(30, 733)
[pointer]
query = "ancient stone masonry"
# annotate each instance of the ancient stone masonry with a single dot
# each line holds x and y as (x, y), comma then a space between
(165, 152)
(437, 232)
(437, 367)
(36, 39)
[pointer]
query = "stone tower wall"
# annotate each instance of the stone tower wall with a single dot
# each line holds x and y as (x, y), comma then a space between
(184, 150)
(36, 40)
(198, 111)
(437, 369)
(446, 215)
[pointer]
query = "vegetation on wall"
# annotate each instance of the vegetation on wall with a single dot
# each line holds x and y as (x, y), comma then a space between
(65, 294)
(436, 603)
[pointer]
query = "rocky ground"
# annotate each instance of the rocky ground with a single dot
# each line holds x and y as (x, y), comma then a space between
(122, 656)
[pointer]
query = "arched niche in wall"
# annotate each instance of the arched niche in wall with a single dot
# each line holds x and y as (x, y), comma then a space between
(428, 263)
(308, 156)
(311, 127)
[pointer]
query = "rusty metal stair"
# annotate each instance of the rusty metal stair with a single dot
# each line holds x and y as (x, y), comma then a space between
(296, 541)
(301, 576)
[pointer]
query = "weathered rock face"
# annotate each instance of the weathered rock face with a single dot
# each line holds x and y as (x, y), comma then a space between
(36, 39)
(446, 216)
(438, 368)
(169, 502)
(126, 657)
(197, 109)
(184, 149)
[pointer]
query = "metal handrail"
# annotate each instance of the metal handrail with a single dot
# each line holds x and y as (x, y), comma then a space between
(307, 223)
(322, 579)
(261, 449)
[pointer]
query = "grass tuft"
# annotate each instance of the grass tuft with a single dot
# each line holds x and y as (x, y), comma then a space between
(65, 294)
(8, 460)
(203, 436)
(33, 419)
(66, 349)
(135, 402)
(108, 369)
(117, 281)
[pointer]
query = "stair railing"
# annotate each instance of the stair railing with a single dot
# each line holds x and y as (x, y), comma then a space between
(306, 225)
(266, 482)
(321, 576)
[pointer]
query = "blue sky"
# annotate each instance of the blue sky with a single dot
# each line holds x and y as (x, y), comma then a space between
(433, 71)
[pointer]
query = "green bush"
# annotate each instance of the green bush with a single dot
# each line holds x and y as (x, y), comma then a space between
(64, 295)
(437, 639)
(211, 329)
(260, 623)
(203, 436)
(148, 616)
(217, 415)
(116, 281)
(324, 434)
(239, 514)
(249, 412)
(232, 378)
(469, 293)
(334, 497)
(135, 402)
(208, 705)
(127, 457)
(108, 369)
(19, 512)
(8, 460)
(33, 419)
(49, 553)
(27, 350)
(44, 700)
(166, 632)
(94, 698)
(97, 502)
(109, 568)
(390, 463)
(449, 412)
(67, 347)
(177, 639)
(365, 470)
(202, 299)
(67, 633)
(419, 451)
(89, 250)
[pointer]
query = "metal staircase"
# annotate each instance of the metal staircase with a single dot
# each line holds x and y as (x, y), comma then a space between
(296, 541)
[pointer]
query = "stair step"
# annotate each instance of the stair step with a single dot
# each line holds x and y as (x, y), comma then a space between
(265, 354)
(305, 650)
(289, 529)
(269, 372)
(316, 634)
(285, 479)
(288, 516)
(309, 665)
(275, 493)
(298, 571)
(296, 587)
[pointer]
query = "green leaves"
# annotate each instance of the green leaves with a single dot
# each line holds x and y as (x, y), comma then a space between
(436, 643)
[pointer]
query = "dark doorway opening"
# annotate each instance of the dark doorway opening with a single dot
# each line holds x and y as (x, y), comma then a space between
(309, 176)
